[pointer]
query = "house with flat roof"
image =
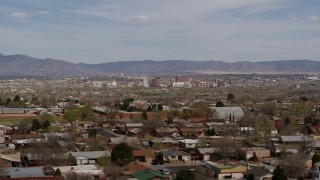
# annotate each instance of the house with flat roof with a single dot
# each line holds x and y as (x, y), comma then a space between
(222, 171)
(292, 144)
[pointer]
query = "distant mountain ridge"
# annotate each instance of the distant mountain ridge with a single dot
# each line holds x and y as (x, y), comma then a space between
(184, 66)
(22, 65)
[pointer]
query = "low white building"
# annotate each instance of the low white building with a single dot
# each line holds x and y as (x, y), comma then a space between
(176, 155)
(189, 143)
(89, 157)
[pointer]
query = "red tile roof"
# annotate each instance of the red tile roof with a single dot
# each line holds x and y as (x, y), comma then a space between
(143, 152)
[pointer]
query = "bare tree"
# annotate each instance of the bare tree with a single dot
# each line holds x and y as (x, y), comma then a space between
(227, 147)
(295, 165)
(112, 170)
(269, 108)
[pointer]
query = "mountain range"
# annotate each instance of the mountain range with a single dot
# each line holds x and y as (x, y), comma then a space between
(22, 65)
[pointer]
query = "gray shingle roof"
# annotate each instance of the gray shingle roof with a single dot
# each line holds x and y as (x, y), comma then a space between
(26, 172)
(301, 138)
(173, 153)
(91, 154)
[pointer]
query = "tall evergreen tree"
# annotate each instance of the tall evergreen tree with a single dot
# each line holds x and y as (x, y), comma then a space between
(278, 174)
(315, 158)
(46, 124)
(35, 125)
(57, 172)
(16, 98)
(144, 115)
(220, 104)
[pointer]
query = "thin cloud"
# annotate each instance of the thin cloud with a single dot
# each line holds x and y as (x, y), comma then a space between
(43, 13)
(20, 16)
(313, 19)
(141, 19)
(293, 17)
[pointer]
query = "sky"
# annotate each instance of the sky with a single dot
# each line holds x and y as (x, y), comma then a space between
(99, 31)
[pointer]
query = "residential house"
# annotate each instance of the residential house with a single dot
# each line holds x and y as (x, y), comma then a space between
(192, 132)
(114, 141)
(166, 131)
(130, 127)
(222, 171)
(189, 143)
(204, 154)
(89, 157)
(83, 124)
(9, 160)
(124, 128)
(23, 172)
(260, 152)
(292, 144)
(163, 143)
(176, 155)
(259, 173)
(82, 170)
(144, 155)
(36, 159)
(15, 137)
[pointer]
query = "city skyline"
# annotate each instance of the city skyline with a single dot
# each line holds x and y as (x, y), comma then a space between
(99, 31)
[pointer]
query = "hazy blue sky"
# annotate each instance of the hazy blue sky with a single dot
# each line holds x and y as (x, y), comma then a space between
(95, 31)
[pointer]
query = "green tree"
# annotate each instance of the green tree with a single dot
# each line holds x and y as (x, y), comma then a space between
(278, 174)
(72, 160)
(254, 158)
(57, 172)
(92, 133)
(16, 98)
(185, 174)
(287, 121)
(250, 177)
(35, 125)
(315, 158)
(126, 104)
(144, 115)
(46, 124)
(122, 154)
(86, 113)
(220, 104)
(302, 109)
(71, 115)
(211, 132)
(310, 119)
(102, 161)
(160, 107)
(231, 97)
(8, 101)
